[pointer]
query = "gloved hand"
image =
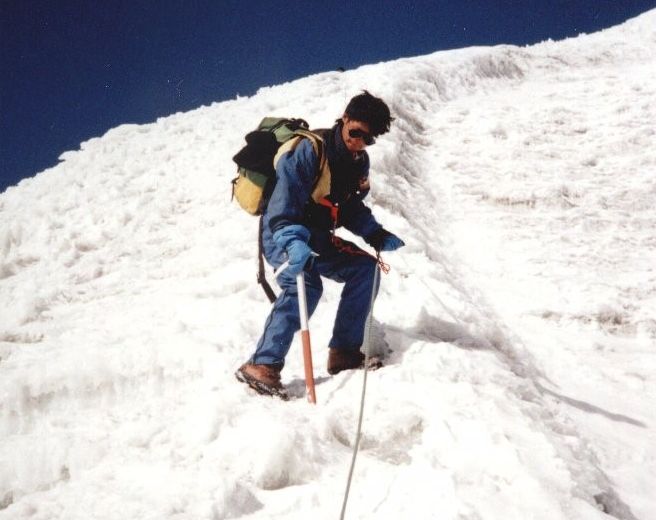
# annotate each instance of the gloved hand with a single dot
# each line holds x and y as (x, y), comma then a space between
(298, 254)
(293, 239)
(383, 240)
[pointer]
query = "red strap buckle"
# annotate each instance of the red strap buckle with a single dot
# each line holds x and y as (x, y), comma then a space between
(334, 210)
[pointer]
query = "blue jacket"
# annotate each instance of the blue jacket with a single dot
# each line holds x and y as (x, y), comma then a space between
(291, 203)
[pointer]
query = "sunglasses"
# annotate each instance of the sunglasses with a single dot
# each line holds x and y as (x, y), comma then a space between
(356, 133)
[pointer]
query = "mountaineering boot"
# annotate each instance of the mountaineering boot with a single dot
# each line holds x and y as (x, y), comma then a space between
(264, 379)
(340, 359)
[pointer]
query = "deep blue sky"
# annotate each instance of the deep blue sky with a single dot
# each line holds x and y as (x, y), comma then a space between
(73, 69)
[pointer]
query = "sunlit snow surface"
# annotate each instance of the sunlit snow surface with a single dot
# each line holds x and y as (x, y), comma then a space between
(521, 315)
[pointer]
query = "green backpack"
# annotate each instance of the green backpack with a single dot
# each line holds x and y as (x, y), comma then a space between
(256, 174)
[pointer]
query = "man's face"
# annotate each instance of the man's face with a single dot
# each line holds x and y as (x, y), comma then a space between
(354, 144)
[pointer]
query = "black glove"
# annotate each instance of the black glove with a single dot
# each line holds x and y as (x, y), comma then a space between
(383, 240)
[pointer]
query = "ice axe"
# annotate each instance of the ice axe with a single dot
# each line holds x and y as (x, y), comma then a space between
(305, 338)
(305, 331)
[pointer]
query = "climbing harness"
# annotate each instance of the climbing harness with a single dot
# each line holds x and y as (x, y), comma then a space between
(342, 245)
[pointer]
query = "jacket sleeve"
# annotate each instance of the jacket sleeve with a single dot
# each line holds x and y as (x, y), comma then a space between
(358, 218)
(295, 175)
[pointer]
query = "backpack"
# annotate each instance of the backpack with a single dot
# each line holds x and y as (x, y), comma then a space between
(256, 174)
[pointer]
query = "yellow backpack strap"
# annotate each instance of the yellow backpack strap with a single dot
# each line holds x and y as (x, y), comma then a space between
(288, 146)
(322, 183)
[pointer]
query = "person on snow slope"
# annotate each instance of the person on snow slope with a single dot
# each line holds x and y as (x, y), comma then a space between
(296, 226)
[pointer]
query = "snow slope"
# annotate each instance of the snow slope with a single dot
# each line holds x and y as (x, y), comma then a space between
(520, 315)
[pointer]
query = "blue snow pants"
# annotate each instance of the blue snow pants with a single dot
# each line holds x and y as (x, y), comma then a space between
(356, 272)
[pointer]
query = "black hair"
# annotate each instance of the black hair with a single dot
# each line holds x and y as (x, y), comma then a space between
(371, 110)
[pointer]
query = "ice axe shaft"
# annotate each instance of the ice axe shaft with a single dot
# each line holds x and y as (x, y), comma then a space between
(305, 337)
(305, 331)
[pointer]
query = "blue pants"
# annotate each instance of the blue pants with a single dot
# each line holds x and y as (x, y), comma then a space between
(356, 272)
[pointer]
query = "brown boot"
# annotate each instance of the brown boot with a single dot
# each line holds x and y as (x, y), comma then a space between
(264, 379)
(341, 359)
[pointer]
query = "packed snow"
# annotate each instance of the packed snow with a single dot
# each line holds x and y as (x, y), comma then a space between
(519, 320)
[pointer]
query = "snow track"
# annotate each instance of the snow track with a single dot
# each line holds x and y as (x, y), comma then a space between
(519, 315)
(484, 329)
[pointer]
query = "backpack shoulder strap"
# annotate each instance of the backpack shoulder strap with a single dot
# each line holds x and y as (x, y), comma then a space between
(321, 186)
(261, 276)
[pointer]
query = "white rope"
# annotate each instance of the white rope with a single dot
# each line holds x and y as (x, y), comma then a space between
(367, 344)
